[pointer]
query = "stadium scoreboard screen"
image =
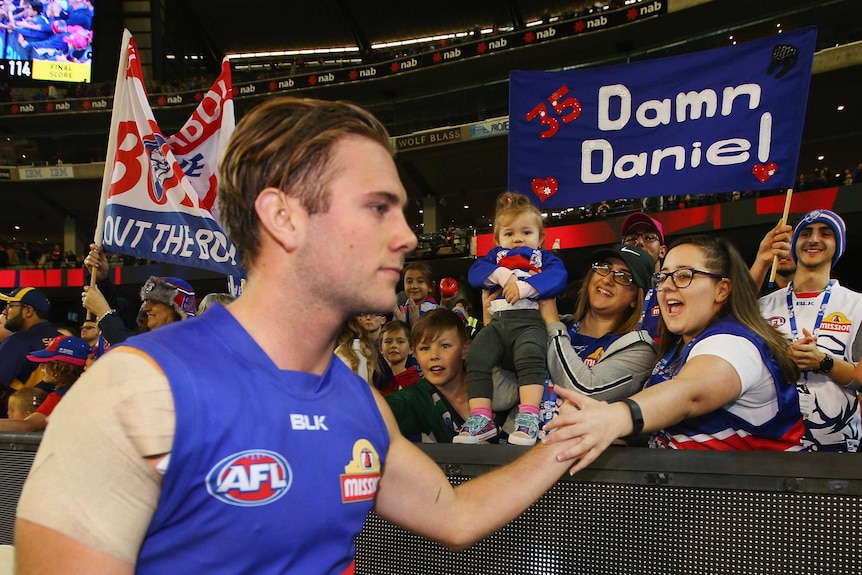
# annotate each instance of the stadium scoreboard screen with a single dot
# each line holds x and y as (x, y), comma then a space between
(49, 40)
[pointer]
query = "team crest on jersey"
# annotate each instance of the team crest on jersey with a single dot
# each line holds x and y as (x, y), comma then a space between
(776, 321)
(361, 474)
(536, 259)
(250, 478)
(836, 322)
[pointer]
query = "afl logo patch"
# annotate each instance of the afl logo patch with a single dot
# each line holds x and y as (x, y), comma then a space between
(250, 478)
(776, 321)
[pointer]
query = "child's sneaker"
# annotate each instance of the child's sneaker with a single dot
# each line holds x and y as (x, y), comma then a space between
(477, 428)
(526, 429)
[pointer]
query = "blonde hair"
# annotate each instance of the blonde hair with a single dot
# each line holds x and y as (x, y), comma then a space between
(511, 205)
(27, 399)
(211, 298)
(351, 330)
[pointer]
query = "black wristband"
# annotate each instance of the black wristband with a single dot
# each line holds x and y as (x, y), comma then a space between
(637, 416)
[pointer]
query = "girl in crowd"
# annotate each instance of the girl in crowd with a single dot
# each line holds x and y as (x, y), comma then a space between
(723, 380)
(419, 286)
(525, 273)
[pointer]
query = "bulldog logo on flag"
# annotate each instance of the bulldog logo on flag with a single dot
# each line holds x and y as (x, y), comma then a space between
(160, 191)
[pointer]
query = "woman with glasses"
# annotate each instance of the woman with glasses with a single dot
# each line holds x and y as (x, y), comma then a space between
(723, 380)
(599, 350)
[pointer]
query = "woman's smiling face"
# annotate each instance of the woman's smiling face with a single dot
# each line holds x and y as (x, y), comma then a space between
(688, 311)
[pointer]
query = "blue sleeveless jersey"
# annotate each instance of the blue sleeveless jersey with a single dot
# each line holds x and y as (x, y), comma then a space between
(722, 429)
(270, 471)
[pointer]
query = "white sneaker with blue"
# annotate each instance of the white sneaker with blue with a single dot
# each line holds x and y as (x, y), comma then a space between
(526, 429)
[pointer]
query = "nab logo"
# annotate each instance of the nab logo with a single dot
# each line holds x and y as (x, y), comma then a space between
(250, 478)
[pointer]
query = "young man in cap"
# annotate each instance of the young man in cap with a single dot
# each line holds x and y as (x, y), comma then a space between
(645, 232)
(26, 316)
(266, 431)
(821, 320)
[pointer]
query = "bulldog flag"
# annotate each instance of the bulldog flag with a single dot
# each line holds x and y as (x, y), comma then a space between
(716, 121)
(159, 192)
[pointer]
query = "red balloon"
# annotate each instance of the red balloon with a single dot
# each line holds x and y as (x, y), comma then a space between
(448, 287)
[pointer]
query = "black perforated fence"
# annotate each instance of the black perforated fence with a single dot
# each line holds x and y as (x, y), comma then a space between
(633, 512)
(644, 512)
(16, 456)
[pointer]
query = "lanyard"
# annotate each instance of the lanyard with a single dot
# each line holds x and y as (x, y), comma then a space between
(792, 316)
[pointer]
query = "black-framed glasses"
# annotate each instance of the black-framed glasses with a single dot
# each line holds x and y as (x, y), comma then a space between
(371, 313)
(14, 304)
(647, 237)
(621, 277)
(681, 278)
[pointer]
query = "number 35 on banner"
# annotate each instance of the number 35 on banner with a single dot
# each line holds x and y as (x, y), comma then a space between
(568, 109)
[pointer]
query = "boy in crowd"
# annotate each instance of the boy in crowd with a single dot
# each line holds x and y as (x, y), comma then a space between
(436, 407)
(396, 348)
(25, 401)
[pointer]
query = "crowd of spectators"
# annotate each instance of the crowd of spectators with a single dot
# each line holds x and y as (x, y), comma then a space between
(38, 255)
(725, 377)
(33, 255)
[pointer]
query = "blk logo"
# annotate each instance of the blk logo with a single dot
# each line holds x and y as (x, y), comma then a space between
(302, 422)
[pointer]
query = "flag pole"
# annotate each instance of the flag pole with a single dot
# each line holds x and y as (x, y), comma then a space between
(781, 223)
(119, 92)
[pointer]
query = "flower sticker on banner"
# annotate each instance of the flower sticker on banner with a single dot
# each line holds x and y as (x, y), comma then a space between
(545, 188)
(764, 171)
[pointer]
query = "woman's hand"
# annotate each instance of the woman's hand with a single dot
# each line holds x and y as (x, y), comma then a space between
(488, 296)
(593, 425)
(94, 302)
(97, 261)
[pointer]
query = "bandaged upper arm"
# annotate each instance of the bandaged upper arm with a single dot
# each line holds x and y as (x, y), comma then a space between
(90, 480)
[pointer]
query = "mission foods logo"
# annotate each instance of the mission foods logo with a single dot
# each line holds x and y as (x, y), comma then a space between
(836, 322)
(250, 478)
(361, 474)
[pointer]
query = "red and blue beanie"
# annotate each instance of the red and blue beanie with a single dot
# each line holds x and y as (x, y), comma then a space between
(175, 293)
(832, 220)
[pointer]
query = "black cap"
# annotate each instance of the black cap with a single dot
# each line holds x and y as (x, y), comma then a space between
(639, 261)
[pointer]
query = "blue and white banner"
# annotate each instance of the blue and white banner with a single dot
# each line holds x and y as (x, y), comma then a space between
(715, 121)
(161, 201)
